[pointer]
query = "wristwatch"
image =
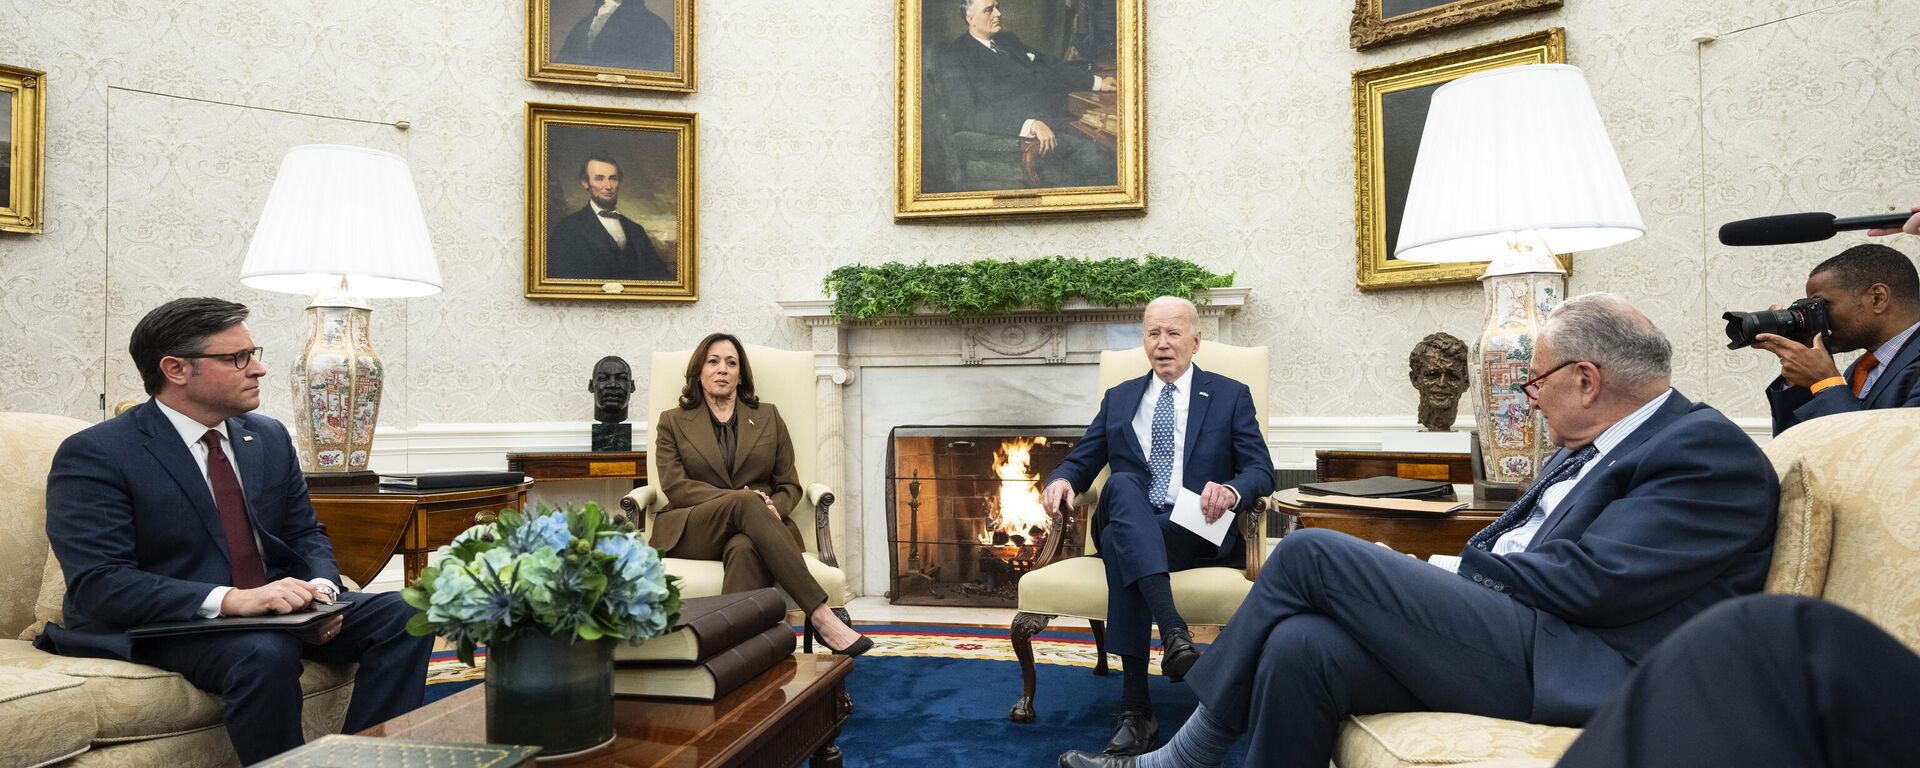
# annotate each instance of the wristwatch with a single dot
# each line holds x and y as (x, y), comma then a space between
(327, 591)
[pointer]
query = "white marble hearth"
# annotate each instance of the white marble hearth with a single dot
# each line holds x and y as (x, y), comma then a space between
(937, 370)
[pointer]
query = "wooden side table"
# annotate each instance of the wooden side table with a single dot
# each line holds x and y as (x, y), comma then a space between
(371, 525)
(1454, 468)
(582, 465)
(1416, 534)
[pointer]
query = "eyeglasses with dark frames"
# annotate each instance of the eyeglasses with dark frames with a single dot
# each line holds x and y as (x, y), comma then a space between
(240, 359)
(1532, 386)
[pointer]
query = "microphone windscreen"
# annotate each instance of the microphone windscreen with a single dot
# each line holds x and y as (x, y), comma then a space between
(1778, 230)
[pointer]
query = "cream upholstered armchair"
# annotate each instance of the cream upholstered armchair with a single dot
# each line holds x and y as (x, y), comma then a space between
(1849, 486)
(56, 710)
(785, 379)
(1077, 586)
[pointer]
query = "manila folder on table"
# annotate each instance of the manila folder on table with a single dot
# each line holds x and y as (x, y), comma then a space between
(298, 620)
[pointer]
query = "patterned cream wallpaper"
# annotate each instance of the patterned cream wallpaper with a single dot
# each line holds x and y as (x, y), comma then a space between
(155, 178)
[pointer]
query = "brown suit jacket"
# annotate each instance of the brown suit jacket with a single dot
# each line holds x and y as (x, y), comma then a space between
(692, 473)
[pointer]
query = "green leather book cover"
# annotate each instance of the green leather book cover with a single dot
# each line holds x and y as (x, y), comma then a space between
(368, 752)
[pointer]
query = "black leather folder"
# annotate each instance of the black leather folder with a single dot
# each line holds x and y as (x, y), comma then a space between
(1383, 487)
(299, 620)
(434, 481)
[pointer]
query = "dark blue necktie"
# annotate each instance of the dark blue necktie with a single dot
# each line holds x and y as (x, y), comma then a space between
(1160, 457)
(1518, 513)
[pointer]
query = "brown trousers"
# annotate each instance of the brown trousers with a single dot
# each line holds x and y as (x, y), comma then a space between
(757, 549)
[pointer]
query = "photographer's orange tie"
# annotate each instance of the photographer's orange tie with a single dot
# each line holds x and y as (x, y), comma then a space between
(1861, 369)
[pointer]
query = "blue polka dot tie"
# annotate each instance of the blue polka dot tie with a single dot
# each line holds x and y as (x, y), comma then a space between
(1160, 457)
(1528, 504)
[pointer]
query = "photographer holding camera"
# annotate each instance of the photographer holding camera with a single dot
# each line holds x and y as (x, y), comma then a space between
(1870, 298)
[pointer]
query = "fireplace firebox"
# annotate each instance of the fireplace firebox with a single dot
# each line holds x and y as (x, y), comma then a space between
(964, 519)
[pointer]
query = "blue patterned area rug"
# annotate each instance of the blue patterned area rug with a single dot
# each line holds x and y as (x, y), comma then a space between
(937, 695)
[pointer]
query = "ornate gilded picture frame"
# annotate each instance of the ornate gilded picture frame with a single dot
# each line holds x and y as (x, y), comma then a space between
(23, 148)
(1019, 108)
(1389, 116)
(646, 44)
(1378, 22)
(610, 204)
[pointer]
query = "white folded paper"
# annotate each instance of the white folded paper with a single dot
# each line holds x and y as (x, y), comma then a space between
(1186, 514)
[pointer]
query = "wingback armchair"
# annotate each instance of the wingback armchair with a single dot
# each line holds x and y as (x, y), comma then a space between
(1847, 534)
(785, 379)
(57, 710)
(1077, 586)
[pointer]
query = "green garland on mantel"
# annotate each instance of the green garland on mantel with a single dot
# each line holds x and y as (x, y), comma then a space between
(995, 287)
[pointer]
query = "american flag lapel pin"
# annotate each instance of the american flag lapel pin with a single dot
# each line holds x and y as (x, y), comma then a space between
(246, 438)
(1205, 394)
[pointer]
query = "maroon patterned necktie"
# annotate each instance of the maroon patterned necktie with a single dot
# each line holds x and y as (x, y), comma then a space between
(248, 570)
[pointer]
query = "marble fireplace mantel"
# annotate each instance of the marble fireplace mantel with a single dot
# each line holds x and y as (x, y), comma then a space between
(898, 351)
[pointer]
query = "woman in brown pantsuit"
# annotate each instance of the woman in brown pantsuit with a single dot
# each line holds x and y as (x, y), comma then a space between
(726, 467)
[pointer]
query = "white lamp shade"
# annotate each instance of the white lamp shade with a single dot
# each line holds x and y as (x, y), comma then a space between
(1515, 150)
(342, 211)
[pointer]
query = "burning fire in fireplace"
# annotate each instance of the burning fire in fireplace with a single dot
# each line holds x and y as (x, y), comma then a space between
(1016, 521)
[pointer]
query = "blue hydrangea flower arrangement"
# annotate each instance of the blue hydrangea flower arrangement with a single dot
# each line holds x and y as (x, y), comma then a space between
(573, 571)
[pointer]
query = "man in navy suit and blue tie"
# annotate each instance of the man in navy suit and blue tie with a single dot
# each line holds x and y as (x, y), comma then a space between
(192, 506)
(1176, 429)
(1653, 509)
(1873, 303)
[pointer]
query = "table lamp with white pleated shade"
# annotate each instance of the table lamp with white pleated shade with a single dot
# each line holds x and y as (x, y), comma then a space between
(342, 224)
(1514, 167)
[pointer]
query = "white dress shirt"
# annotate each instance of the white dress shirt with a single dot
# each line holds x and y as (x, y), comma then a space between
(1520, 537)
(190, 431)
(611, 223)
(1143, 426)
(607, 7)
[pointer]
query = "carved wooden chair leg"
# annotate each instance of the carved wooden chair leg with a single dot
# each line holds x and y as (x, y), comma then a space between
(1025, 626)
(847, 619)
(1099, 646)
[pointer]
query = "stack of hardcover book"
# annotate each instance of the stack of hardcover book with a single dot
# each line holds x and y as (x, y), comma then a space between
(718, 644)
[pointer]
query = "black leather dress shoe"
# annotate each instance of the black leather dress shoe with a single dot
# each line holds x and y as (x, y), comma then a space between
(1095, 760)
(1133, 733)
(1177, 654)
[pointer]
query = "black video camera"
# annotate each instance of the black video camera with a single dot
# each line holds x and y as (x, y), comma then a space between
(1801, 321)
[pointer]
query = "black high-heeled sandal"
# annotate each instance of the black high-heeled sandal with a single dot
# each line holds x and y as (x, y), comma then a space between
(858, 647)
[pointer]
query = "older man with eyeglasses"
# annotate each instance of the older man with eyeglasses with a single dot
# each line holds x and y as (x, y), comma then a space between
(191, 505)
(1654, 508)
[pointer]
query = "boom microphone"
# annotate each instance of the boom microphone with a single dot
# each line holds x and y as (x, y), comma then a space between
(1802, 227)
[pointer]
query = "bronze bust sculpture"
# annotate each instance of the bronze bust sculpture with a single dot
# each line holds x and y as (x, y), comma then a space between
(611, 385)
(1438, 369)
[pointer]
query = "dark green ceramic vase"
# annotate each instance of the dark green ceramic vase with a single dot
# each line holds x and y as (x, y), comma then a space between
(552, 692)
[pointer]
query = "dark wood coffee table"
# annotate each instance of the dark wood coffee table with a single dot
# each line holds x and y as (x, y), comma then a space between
(784, 718)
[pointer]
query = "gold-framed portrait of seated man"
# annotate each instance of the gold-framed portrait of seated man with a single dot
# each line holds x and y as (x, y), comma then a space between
(1019, 107)
(610, 204)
